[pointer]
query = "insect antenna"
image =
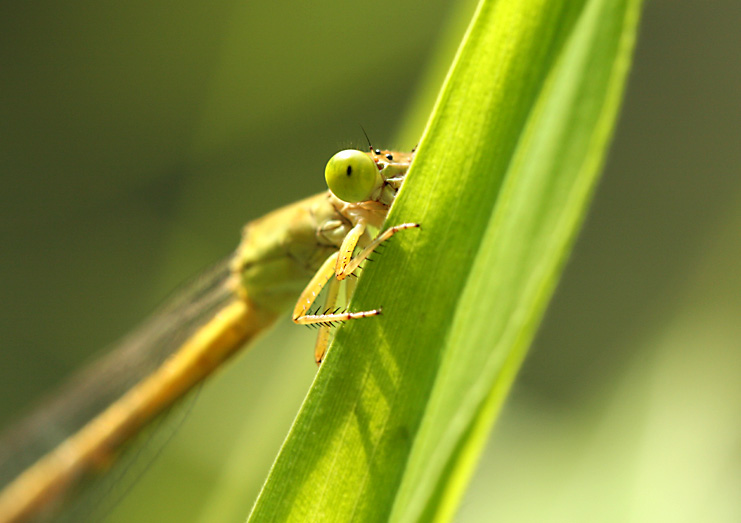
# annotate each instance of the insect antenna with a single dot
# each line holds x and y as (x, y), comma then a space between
(370, 146)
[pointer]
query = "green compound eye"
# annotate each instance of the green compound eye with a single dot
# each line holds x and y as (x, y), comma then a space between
(351, 175)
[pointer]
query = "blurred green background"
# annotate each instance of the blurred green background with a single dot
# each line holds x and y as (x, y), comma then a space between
(136, 139)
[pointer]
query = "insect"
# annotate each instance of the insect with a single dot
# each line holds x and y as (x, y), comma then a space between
(322, 239)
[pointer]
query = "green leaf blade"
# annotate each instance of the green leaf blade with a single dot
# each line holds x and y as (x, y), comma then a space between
(567, 134)
(401, 406)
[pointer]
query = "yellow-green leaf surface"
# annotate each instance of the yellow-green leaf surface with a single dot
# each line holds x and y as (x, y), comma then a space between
(399, 411)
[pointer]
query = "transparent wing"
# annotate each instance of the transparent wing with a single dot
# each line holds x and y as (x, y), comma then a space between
(90, 391)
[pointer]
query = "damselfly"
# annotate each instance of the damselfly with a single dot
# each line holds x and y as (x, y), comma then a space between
(320, 240)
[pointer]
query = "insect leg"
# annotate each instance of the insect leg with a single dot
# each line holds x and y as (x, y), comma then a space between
(346, 250)
(322, 339)
(312, 290)
(309, 296)
(340, 264)
(351, 264)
